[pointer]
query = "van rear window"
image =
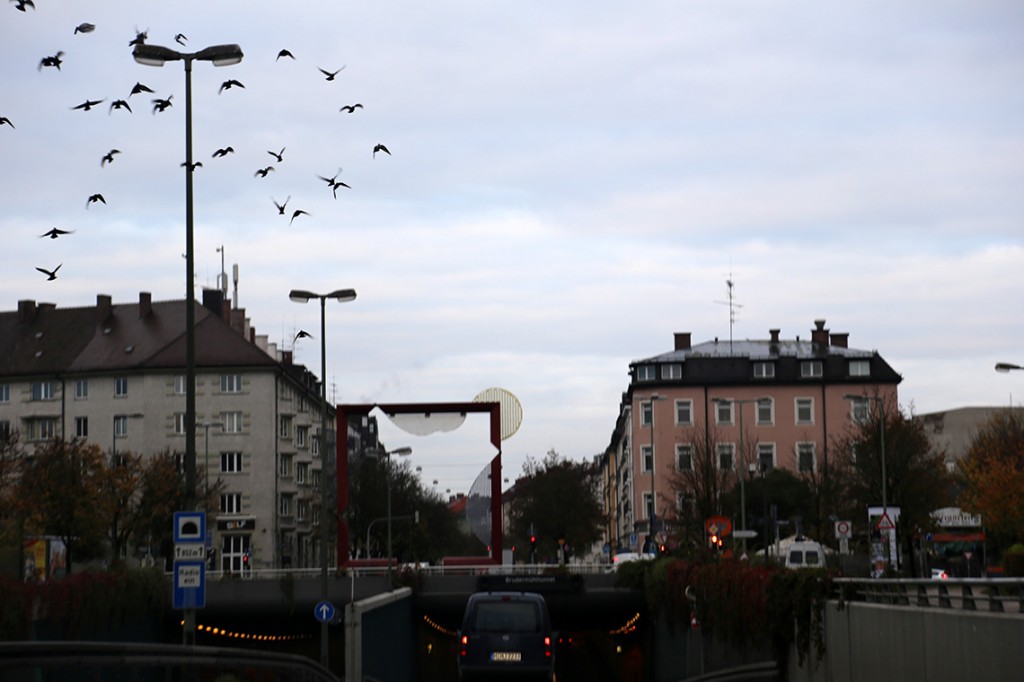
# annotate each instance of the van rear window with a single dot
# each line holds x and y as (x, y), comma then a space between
(506, 617)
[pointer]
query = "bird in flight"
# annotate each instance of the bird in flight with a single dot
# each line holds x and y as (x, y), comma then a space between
(161, 104)
(54, 233)
(22, 4)
(329, 75)
(281, 207)
(296, 214)
(262, 172)
(350, 108)
(93, 198)
(5, 120)
(303, 334)
(181, 38)
(223, 151)
(278, 155)
(284, 53)
(138, 88)
(88, 104)
(52, 60)
(119, 104)
(227, 85)
(380, 148)
(85, 27)
(109, 157)
(50, 274)
(192, 166)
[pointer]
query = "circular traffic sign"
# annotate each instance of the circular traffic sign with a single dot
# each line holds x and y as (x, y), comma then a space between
(324, 611)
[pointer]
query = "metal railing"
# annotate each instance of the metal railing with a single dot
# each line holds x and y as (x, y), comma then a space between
(998, 595)
(588, 568)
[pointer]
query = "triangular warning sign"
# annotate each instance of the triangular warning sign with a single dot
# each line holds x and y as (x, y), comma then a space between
(885, 523)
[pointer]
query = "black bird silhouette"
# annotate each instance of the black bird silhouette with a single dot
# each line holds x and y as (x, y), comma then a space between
(140, 37)
(54, 233)
(284, 53)
(193, 166)
(109, 157)
(4, 119)
(281, 207)
(88, 104)
(331, 180)
(331, 74)
(138, 88)
(336, 185)
(227, 85)
(119, 104)
(278, 155)
(296, 214)
(303, 334)
(50, 274)
(22, 4)
(161, 104)
(262, 172)
(93, 198)
(223, 151)
(380, 148)
(85, 27)
(53, 60)
(181, 38)
(350, 108)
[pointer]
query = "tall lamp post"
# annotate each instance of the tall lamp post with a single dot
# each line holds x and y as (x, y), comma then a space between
(881, 429)
(654, 513)
(743, 459)
(342, 296)
(386, 454)
(1005, 367)
(220, 55)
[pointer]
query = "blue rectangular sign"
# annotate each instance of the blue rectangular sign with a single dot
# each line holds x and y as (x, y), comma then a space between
(189, 526)
(189, 584)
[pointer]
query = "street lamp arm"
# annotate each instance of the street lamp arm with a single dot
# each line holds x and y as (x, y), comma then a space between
(1004, 367)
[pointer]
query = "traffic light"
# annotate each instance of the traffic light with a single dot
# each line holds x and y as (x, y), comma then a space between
(245, 561)
(663, 549)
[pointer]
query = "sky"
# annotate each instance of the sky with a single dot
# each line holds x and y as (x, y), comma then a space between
(568, 184)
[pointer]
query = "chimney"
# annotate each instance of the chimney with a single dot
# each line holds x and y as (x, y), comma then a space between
(26, 311)
(819, 335)
(286, 357)
(841, 340)
(104, 309)
(775, 335)
(145, 304)
(682, 340)
(213, 300)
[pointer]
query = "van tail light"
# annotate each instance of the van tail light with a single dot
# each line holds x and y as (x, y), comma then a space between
(547, 647)
(463, 642)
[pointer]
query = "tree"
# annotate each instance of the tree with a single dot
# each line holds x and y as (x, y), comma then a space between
(701, 486)
(992, 474)
(559, 500)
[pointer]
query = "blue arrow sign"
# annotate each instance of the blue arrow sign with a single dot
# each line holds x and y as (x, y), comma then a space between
(324, 611)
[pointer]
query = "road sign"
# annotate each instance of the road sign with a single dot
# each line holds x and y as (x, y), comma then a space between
(190, 551)
(885, 523)
(324, 611)
(189, 526)
(744, 534)
(843, 530)
(718, 525)
(189, 584)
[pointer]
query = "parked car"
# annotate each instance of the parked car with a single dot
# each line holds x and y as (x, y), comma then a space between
(805, 554)
(506, 634)
(625, 557)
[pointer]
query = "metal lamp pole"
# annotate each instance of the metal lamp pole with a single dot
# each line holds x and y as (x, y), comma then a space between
(402, 452)
(303, 296)
(743, 461)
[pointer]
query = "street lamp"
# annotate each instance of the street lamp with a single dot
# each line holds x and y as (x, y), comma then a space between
(654, 513)
(881, 430)
(342, 296)
(386, 454)
(743, 459)
(1005, 367)
(220, 55)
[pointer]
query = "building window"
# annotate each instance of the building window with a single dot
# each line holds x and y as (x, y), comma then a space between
(285, 466)
(672, 372)
(684, 457)
(684, 413)
(233, 549)
(81, 427)
(646, 454)
(810, 369)
(302, 473)
(286, 504)
(726, 456)
(231, 503)
(179, 423)
(764, 370)
(42, 429)
(5, 393)
(765, 457)
(120, 387)
(805, 410)
(315, 443)
(859, 410)
(316, 480)
(723, 412)
(302, 510)
(232, 422)
(285, 426)
(42, 390)
(230, 383)
(648, 508)
(303, 405)
(765, 412)
(646, 372)
(120, 426)
(179, 384)
(301, 436)
(805, 460)
(230, 462)
(860, 368)
(5, 429)
(81, 389)
(684, 502)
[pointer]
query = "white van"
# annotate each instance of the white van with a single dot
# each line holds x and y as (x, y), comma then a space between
(805, 554)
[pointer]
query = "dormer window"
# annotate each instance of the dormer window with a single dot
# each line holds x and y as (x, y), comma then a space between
(764, 370)
(646, 373)
(810, 369)
(860, 368)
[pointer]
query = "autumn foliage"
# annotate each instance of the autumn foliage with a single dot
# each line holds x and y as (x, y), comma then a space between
(993, 477)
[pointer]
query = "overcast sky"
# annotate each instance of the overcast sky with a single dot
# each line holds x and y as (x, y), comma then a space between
(568, 184)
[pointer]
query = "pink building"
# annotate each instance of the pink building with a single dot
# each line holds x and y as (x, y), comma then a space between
(791, 397)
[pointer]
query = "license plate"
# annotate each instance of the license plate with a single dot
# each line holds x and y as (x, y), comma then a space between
(506, 656)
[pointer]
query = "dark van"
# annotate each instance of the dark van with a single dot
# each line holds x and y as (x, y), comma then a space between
(506, 634)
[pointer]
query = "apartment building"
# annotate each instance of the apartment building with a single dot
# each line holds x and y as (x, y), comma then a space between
(788, 398)
(114, 374)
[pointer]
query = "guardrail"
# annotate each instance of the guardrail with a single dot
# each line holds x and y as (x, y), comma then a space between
(362, 571)
(997, 595)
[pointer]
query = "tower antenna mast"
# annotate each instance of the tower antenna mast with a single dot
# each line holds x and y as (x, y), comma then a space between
(733, 307)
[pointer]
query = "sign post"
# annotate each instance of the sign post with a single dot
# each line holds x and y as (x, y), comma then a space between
(189, 584)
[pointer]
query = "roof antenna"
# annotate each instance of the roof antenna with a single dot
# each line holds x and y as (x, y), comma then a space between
(733, 306)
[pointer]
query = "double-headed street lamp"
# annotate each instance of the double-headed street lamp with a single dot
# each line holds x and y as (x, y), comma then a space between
(220, 55)
(386, 454)
(342, 296)
(743, 461)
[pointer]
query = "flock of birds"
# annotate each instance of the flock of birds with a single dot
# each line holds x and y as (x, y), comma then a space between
(162, 104)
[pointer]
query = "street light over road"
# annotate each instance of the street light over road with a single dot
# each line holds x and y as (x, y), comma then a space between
(386, 454)
(342, 296)
(1005, 367)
